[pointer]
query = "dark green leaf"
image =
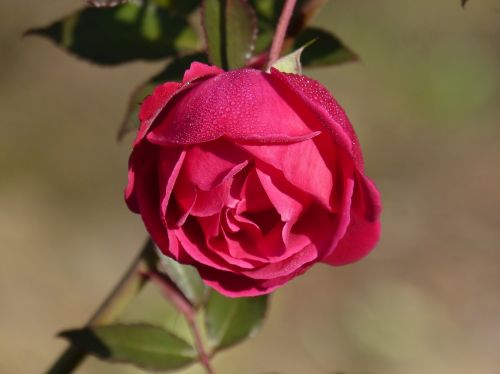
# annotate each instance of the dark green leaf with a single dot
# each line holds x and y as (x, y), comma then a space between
(230, 31)
(264, 38)
(172, 73)
(123, 33)
(241, 32)
(187, 279)
(214, 31)
(327, 49)
(267, 13)
(229, 321)
(146, 346)
(180, 7)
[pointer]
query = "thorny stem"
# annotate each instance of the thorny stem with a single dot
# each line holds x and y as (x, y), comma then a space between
(280, 34)
(185, 308)
(128, 286)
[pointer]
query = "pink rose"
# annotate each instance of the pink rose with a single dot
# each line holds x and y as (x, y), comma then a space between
(251, 177)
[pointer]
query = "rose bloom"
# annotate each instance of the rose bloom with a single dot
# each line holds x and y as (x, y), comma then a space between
(251, 177)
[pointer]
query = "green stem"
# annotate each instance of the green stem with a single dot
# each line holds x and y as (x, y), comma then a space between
(180, 302)
(122, 294)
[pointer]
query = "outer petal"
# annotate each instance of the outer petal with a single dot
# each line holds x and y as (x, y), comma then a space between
(235, 285)
(364, 229)
(154, 104)
(131, 188)
(198, 70)
(308, 254)
(144, 194)
(225, 105)
(313, 100)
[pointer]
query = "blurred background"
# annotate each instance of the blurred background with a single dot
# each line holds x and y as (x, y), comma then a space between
(425, 101)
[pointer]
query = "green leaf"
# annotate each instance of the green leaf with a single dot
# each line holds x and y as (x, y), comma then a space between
(230, 31)
(326, 50)
(180, 7)
(172, 73)
(212, 18)
(143, 345)
(241, 32)
(113, 35)
(187, 279)
(229, 321)
(268, 10)
(267, 18)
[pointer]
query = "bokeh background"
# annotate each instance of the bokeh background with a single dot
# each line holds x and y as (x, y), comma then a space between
(425, 101)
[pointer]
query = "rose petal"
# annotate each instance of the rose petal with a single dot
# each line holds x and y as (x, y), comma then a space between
(146, 195)
(253, 197)
(214, 255)
(364, 228)
(184, 195)
(289, 205)
(225, 105)
(211, 202)
(130, 190)
(319, 229)
(288, 200)
(231, 256)
(246, 247)
(285, 267)
(301, 164)
(235, 285)
(244, 243)
(261, 250)
(198, 70)
(208, 165)
(314, 102)
(192, 240)
(169, 165)
(152, 106)
(210, 226)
